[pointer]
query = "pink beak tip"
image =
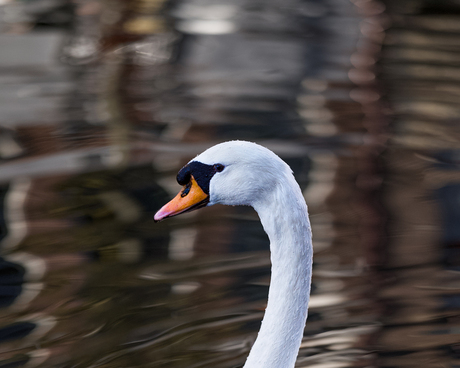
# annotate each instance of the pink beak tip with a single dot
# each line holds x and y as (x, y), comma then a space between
(160, 215)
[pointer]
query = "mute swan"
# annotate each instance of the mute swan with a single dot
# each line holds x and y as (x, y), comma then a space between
(244, 173)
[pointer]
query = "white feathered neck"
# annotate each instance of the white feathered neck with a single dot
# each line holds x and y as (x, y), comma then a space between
(255, 176)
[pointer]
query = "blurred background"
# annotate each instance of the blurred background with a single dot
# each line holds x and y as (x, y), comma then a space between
(103, 101)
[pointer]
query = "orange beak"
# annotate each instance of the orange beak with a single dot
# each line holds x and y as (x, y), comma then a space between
(189, 198)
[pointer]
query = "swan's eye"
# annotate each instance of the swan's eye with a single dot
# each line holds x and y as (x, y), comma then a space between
(219, 167)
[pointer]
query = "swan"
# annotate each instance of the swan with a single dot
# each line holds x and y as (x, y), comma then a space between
(245, 173)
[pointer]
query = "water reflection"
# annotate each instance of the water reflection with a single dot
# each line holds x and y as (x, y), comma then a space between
(103, 102)
(421, 190)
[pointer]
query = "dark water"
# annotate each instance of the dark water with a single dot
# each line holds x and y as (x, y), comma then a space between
(101, 103)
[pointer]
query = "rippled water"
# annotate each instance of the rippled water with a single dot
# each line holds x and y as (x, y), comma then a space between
(101, 103)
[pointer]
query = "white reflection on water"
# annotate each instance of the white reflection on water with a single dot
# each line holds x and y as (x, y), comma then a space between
(181, 245)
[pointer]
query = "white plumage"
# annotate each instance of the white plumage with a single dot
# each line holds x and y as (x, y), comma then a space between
(255, 176)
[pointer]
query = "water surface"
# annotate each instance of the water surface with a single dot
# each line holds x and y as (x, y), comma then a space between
(103, 102)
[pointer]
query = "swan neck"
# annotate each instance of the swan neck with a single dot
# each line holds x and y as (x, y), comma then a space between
(284, 217)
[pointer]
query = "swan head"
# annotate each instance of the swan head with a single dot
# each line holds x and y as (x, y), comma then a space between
(230, 173)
